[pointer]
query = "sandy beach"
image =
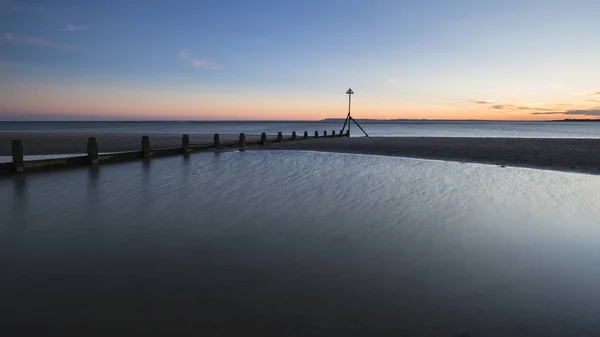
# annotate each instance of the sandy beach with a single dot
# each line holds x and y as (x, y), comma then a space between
(578, 155)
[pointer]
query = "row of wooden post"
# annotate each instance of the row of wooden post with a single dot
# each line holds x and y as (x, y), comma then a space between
(92, 146)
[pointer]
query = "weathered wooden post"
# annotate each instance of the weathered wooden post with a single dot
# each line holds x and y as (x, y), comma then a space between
(279, 137)
(305, 134)
(242, 142)
(316, 134)
(185, 143)
(92, 150)
(348, 133)
(217, 140)
(294, 135)
(263, 138)
(17, 155)
(333, 133)
(325, 134)
(145, 147)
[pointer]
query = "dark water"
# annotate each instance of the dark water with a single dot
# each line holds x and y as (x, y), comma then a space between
(300, 244)
(393, 129)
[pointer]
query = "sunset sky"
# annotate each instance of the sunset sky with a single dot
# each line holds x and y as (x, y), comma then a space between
(294, 60)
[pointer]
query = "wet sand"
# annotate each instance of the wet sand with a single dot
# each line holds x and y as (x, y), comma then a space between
(578, 155)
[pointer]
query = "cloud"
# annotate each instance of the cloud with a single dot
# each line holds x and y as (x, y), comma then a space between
(480, 101)
(71, 28)
(593, 100)
(516, 107)
(597, 93)
(591, 112)
(185, 56)
(33, 41)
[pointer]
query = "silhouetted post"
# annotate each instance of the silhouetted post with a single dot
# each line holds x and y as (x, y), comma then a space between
(279, 137)
(316, 134)
(242, 142)
(17, 155)
(185, 143)
(348, 133)
(294, 135)
(341, 133)
(325, 134)
(333, 133)
(92, 150)
(145, 147)
(305, 134)
(217, 140)
(263, 138)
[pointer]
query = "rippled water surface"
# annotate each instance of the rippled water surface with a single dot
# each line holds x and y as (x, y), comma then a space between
(300, 244)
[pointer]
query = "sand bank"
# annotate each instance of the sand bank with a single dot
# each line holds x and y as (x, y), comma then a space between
(579, 155)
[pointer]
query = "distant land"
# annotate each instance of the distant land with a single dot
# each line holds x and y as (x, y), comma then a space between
(579, 120)
(371, 120)
(399, 120)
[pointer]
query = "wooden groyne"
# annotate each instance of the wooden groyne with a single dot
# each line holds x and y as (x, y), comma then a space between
(145, 152)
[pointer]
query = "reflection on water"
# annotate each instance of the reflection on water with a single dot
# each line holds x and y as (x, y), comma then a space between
(297, 244)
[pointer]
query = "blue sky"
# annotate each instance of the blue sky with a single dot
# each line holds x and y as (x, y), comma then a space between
(295, 59)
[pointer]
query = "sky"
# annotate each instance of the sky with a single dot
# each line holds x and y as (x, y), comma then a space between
(294, 60)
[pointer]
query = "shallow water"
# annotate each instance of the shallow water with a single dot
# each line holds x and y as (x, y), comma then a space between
(521, 129)
(300, 243)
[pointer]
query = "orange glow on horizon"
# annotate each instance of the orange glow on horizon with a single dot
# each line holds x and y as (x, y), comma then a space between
(128, 103)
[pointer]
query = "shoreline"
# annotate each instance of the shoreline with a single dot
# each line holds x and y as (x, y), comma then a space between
(561, 154)
(558, 154)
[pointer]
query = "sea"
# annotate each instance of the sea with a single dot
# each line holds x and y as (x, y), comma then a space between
(519, 129)
(285, 243)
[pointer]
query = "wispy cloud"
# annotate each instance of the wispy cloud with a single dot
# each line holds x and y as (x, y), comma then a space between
(593, 100)
(71, 28)
(594, 112)
(597, 93)
(33, 41)
(477, 101)
(185, 56)
(517, 107)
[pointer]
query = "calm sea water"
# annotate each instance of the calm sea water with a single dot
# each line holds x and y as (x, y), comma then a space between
(408, 128)
(300, 244)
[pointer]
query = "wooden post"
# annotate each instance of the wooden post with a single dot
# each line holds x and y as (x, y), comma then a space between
(279, 137)
(333, 133)
(305, 134)
(341, 133)
(316, 134)
(217, 140)
(17, 155)
(242, 142)
(145, 147)
(325, 134)
(92, 150)
(185, 143)
(348, 133)
(263, 138)
(294, 135)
